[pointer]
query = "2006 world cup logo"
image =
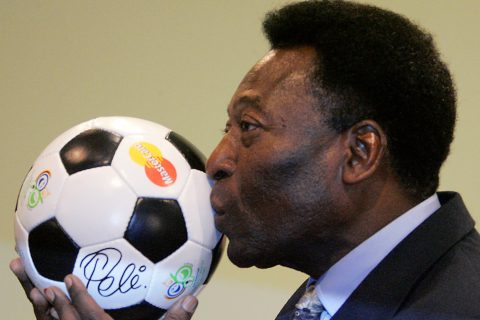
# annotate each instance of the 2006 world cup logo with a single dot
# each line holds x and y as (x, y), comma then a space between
(38, 189)
(181, 280)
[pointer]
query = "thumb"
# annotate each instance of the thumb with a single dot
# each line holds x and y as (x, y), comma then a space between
(182, 309)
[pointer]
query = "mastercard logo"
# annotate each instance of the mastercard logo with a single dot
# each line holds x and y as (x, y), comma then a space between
(158, 169)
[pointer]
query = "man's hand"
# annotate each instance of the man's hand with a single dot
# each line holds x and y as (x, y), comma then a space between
(81, 306)
(41, 307)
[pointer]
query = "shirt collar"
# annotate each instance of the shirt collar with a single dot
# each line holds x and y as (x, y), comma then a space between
(337, 284)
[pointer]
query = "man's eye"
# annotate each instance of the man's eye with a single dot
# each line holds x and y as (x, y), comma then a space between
(227, 128)
(247, 126)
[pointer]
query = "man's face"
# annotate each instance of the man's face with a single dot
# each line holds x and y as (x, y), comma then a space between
(274, 167)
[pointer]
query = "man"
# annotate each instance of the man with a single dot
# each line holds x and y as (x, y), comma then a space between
(329, 165)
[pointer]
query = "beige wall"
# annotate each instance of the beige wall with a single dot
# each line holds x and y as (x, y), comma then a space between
(177, 63)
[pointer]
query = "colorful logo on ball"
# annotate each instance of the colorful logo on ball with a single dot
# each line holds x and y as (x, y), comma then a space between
(158, 169)
(38, 189)
(181, 280)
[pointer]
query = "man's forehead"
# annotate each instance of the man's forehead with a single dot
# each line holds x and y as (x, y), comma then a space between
(279, 64)
(282, 72)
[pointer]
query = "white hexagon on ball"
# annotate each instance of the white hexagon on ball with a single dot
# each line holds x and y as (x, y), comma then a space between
(115, 273)
(152, 166)
(96, 206)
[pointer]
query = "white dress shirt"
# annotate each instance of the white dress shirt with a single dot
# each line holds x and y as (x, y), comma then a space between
(337, 284)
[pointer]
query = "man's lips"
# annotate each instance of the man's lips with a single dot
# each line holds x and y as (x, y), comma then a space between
(218, 222)
(217, 205)
(218, 218)
(219, 208)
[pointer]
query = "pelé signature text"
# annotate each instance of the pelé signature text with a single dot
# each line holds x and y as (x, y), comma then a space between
(104, 269)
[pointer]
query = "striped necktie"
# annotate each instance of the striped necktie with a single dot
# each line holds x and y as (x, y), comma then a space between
(309, 307)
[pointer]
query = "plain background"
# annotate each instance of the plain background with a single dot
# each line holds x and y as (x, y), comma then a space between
(178, 63)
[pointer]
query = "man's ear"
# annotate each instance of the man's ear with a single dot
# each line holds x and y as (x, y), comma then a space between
(366, 143)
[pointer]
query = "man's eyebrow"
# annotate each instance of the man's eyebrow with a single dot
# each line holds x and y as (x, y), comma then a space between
(248, 101)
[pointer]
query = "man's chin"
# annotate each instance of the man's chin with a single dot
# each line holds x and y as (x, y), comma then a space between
(247, 258)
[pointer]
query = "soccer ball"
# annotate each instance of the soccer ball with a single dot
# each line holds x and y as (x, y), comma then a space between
(123, 204)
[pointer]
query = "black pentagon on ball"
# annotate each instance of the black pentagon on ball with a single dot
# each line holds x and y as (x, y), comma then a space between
(194, 157)
(90, 149)
(157, 228)
(141, 311)
(52, 251)
(216, 255)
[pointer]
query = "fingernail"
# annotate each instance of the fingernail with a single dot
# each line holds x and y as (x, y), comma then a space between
(189, 304)
(54, 313)
(49, 294)
(14, 266)
(68, 282)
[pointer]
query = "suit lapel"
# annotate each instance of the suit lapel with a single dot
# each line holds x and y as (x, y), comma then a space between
(384, 290)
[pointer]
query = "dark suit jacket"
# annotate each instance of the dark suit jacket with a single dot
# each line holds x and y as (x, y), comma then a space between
(434, 273)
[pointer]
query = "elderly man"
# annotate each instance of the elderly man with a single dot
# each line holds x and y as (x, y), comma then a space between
(329, 165)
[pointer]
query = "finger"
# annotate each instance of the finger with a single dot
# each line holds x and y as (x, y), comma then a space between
(54, 314)
(86, 306)
(41, 307)
(182, 309)
(62, 305)
(18, 269)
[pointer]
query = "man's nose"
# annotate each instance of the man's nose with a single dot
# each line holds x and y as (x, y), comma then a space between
(222, 162)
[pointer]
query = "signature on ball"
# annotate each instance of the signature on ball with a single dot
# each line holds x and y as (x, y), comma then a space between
(104, 268)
